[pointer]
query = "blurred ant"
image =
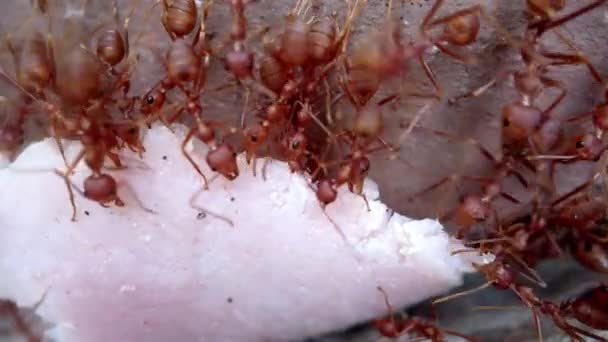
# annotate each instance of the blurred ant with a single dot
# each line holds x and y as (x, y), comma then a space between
(187, 63)
(395, 326)
(21, 324)
(477, 208)
(590, 309)
(99, 140)
(382, 54)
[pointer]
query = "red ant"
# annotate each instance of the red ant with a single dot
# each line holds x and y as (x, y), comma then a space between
(395, 326)
(589, 309)
(477, 208)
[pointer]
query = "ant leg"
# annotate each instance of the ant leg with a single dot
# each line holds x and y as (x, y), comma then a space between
(460, 13)
(59, 144)
(461, 293)
(543, 26)
(185, 142)
(551, 83)
(431, 76)
(204, 211)
(115, 159)
(175, 116)
(66, 178)
(133, 194)
(581, 331)
(431, 13)
(466, 59)
(538, 325)
(333, 223)
(461, 335)
(244, 111)
(501, 75)
(433, 186)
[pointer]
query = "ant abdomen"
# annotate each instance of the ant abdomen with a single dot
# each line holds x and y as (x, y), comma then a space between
(462, 30)
(273, 74)
(183, 65)
(294, 41)
(111, 47)
(34, 67)
(101, 188)
(321, 40)
(179, 17)
(79, 76)
(326, 191)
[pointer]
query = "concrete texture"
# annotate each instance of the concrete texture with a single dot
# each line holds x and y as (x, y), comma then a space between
(424, 158)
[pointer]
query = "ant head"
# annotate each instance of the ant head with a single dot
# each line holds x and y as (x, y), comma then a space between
(588, 147)
(153, 101)
(255, 135)
(100, 188)
(297, 143)
(222, 159)
(129, 133)
(391, 327)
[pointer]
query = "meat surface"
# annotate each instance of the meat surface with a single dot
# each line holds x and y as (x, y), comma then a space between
(257, 260)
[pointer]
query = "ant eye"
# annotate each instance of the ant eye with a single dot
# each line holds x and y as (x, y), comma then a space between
(234, 154)
(132, 131)
(580, 144)
(254, 138)
(150, 99)
(295, 145)
(506, 122)
(213, 169)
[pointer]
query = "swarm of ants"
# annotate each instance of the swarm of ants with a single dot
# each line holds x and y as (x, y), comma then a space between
(297, 80)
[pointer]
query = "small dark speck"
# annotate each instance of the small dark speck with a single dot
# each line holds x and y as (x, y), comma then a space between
(86, 212)
(229, 300)
(201, 215)
(164, 157)
(232, 199)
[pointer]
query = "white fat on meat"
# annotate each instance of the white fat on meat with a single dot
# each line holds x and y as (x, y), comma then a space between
(281, 271)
